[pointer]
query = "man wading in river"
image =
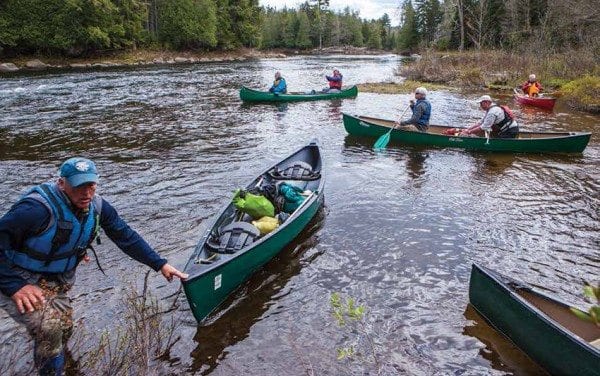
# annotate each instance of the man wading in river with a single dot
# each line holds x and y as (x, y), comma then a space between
(43, 237)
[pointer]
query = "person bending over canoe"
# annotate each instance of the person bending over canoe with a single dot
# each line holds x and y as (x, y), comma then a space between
(43, 238)
(421, 111)
(498, 120)
(531, 87)
(335, 82)
(279, 85)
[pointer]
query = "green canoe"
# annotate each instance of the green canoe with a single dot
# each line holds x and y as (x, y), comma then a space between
(527, 142)
(250, 95)
(543, 327)
(226, 256)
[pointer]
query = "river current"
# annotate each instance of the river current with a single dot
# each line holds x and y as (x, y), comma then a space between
(398, 232)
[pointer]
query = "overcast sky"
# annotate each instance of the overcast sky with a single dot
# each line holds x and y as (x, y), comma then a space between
(368, 9)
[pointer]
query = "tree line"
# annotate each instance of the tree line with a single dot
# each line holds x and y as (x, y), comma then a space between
(314, 26)
(78, 27)
(535, 25)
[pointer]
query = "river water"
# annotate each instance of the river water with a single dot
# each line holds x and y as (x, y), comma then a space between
(398, 233)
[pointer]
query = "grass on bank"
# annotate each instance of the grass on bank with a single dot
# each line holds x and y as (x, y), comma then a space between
(583, 93)
(575, 74)
(404, 87)
(481, 68)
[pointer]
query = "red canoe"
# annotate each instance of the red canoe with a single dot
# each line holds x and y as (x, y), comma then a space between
(542, 102)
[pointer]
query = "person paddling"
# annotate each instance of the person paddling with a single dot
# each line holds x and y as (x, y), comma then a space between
(498, 120)
(279, 85)
(335, 82)
(421, 110)
(532, 87)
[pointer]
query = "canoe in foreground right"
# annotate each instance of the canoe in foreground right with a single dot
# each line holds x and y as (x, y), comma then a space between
(541, 326)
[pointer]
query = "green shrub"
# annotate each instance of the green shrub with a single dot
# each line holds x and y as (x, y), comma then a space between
(583, 93)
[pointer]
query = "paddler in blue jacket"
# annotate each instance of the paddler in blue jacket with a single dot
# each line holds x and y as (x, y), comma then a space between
(43, 237)
(279, 86)
(421, 111)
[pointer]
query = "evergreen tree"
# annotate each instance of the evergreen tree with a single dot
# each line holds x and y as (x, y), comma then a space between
(246, 21)
(226, 38)
(386, 26)
(320, 7)
(409, 33)
(133, 14)
(187, 23)
(303, 32)
(429, 16)
(374, 40)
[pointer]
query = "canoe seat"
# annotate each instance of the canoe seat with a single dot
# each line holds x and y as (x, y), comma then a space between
(596, 343)
(298, 170)
(233, 237)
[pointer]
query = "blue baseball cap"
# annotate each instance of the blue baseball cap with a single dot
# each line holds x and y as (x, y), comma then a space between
(79, 171)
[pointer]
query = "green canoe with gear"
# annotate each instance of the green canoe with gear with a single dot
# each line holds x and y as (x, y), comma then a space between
(541, 326)
(526, 142)
(233, 248)
(250, 95)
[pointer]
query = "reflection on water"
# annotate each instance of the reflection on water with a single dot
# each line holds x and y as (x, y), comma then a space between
(415, 163)
(403, 225)
(498, 350)
(249, 303)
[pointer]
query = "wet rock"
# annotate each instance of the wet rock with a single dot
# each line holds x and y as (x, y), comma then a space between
(79, 65)
(36, 64)
(8, 67)
(182, 60)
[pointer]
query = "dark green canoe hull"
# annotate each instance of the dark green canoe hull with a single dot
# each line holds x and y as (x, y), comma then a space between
(546, 341)
(250, 95)
(209, 285)
(544, 142)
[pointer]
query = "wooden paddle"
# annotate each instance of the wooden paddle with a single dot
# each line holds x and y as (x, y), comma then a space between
(382, 141)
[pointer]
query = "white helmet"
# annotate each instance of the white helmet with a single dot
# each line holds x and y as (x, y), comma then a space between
(421, 90)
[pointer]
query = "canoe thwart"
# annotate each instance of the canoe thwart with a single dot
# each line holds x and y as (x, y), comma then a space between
(233, 237)
(298, 170)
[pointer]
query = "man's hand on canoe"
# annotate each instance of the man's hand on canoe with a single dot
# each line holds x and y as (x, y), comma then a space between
(169, 272)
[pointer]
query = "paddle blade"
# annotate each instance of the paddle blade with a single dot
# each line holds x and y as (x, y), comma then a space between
(382, 141)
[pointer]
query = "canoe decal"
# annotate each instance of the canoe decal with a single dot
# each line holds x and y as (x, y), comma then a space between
(362, 123)
(218, 281)
(455, 139)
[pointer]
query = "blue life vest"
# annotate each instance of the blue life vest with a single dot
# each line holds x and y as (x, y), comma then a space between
(424, 120)
(63, 243)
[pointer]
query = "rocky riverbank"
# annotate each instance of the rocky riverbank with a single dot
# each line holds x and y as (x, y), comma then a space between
(160, 57)
(129, 59)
